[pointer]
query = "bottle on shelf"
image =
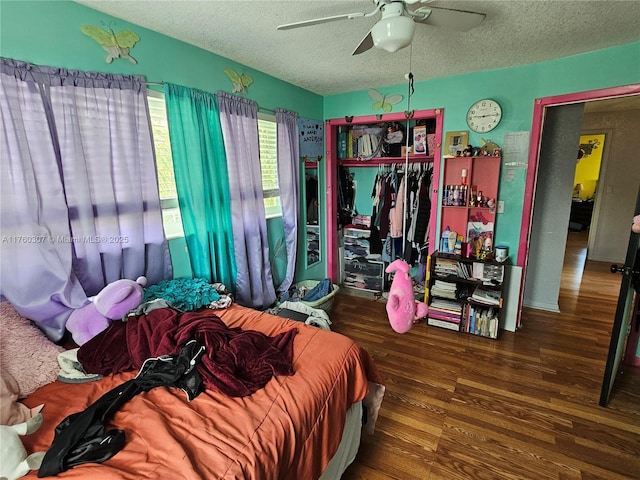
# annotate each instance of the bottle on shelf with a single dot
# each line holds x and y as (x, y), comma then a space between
(472, 196)
(444, 242)
(451, 244)
(456, 195)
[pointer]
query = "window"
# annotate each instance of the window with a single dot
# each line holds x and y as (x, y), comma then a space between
(164, 164)
(268, 137)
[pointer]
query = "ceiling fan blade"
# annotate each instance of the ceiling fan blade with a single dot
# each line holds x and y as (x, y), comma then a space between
(458, 20)
(365, 44)
(316, 21)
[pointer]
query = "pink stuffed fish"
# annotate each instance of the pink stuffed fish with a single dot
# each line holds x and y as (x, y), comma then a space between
(402, 307)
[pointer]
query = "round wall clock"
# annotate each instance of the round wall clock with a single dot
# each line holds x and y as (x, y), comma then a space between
(484, 115)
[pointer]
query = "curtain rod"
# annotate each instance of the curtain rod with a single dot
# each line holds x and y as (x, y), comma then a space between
(261, 109)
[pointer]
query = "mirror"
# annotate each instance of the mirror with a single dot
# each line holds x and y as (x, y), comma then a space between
(311, 212)
(311, 143)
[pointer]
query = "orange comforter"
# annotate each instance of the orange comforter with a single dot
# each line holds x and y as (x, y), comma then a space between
(288, 430)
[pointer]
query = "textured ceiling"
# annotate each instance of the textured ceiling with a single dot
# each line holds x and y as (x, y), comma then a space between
(318, 58)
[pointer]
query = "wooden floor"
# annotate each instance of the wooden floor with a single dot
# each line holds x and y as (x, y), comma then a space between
(524, 406)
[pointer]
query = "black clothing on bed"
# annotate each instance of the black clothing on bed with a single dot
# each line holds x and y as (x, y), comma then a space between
(81, 437)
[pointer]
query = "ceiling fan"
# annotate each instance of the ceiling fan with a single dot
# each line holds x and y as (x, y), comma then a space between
(396, 26)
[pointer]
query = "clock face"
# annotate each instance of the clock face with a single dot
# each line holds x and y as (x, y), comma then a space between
(484, 116)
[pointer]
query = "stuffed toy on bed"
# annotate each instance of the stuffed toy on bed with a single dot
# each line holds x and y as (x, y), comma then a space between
(14, 461)
(402, 307)
(112, 303)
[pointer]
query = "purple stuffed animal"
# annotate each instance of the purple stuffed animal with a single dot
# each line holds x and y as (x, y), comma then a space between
(112, 303)
(402, 307)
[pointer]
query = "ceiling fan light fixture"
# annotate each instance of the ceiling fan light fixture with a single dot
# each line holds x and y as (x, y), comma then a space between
(393, 33)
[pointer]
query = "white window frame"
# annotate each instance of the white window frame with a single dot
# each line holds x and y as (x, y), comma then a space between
(272, 209)
(171, 219)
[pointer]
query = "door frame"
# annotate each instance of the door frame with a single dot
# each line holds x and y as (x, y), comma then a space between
(537, 126)
(540, 104)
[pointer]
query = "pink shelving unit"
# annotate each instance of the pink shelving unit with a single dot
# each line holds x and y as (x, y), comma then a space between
(482, 178)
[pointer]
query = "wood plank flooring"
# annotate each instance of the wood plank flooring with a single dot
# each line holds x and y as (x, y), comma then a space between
(524, 406)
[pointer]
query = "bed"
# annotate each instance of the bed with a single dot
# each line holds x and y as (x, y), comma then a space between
(301, 426)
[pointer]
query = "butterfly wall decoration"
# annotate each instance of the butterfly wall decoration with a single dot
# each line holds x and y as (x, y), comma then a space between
(116, 44)
(383, 102)
(240, 80)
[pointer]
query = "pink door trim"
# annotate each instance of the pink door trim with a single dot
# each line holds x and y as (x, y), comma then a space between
(534, 149)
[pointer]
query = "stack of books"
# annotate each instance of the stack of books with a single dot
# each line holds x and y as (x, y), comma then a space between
(481, 321)
(486, 296)
(445, 313)
(446, 267)
(444, 289)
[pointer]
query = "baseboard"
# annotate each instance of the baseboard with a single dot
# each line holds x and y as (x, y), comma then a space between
(359, 293)
(549, 307)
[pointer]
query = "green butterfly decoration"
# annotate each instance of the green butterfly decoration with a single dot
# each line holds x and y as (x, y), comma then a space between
(117, 45)
(383, 102)
(240, 81)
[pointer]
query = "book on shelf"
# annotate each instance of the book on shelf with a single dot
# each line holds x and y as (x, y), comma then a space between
(444, 289)
(486, 296)
(481, 321)
(487, 273)
(343, 139)
(445, 305)
(464, 270)
(445, 316)
(443, 324)
(477, 271)
(447, 267)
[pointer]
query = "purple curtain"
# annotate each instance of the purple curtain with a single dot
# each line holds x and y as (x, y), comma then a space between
(79, 183)
(239, 121)
(289, 185)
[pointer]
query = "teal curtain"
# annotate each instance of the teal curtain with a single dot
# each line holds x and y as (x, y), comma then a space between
(200, 167)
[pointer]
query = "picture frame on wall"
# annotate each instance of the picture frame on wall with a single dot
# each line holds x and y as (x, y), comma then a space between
(588, 164)
(455, 142)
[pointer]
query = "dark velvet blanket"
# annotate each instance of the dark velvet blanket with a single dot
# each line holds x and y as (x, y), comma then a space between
(236, 362)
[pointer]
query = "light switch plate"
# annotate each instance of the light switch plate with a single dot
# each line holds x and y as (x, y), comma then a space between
(500, 206)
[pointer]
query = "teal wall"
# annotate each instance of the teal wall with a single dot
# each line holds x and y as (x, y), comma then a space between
(48, 33)
(516, 90)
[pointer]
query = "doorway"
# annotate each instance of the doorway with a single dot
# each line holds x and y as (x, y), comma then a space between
(584, 225)
(551, 173)
(630, 96)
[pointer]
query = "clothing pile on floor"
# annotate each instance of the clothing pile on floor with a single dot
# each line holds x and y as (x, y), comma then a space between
(290, 305)
(302, 312)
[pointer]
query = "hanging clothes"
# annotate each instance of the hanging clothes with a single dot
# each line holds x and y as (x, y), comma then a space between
(388, 193)
(423, 212)
(403, 228)
(396, 215)
(346, 197)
